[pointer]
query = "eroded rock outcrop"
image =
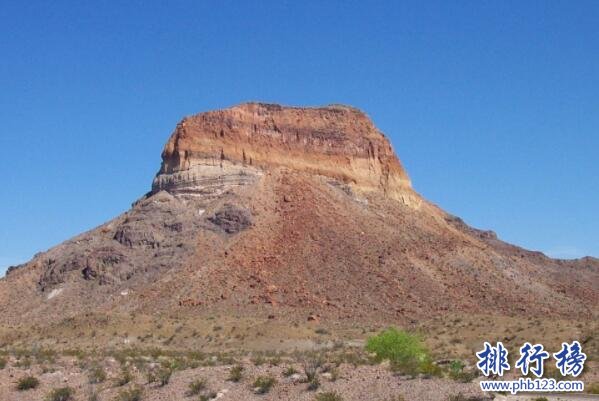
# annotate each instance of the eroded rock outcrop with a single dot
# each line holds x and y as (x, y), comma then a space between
(211, 151)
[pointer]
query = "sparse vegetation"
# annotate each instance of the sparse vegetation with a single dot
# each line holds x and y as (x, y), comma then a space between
(540, 399)
(313, 384)
(290, 371)
(328, 396)
(462, 397)
(235, 374)
(27, 383)
(163, 376)
(311, 366)
(405, 352)
(207, 397)
(96, 375)
(457, 372)
(3, 362)
(132, 394)
(196, 387)
(263, 384)
(258, 360)
(61, 394)
(592, 388)
(334, 372)
(124, 378)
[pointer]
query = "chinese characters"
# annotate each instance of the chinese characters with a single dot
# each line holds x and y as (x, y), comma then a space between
(494, 359)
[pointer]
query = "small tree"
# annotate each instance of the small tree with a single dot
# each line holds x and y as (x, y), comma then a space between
(404, 351)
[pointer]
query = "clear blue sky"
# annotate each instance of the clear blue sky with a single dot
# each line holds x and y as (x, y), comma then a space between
(492, 106)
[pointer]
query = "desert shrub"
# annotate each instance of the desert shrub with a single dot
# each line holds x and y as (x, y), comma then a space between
(456, 372)
(23, 362)
(313, 384)
(333, 373)
(328, 396)
(27, 383)
(310, 367)
(290, 371)
(406, 352)
(258, 360)
(275, 360)
(132, 394)
(124, 378)
(540, 399)
(592, 388)
(236, 373)
(44, 355)
(3, 362)
(263, 384)
(456, 367)
(61, 394)
(96, 375)
(164, 376)
(428, 367)
(462, 397)
(207, 397)
(196, 387)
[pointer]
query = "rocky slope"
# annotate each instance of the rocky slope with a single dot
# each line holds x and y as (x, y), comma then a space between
(287, 214)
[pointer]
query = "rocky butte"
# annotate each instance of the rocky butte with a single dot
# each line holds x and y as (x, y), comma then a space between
(278, 217)
(236, 145)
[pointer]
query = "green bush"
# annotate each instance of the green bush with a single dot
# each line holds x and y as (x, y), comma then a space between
(61, 394)
(27, 383)
(456, 372)
(328, 396)
(456, 367)
(405, 352)
(236, 373)
(263, 384)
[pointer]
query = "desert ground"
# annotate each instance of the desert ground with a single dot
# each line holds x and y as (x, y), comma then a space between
(321, 364)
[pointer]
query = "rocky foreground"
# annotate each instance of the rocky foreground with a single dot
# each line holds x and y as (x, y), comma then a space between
(349, 382)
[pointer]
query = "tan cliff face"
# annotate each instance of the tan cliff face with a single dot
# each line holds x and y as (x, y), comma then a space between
(236, 145)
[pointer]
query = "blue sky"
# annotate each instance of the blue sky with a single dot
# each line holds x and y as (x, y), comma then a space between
(492, 106)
